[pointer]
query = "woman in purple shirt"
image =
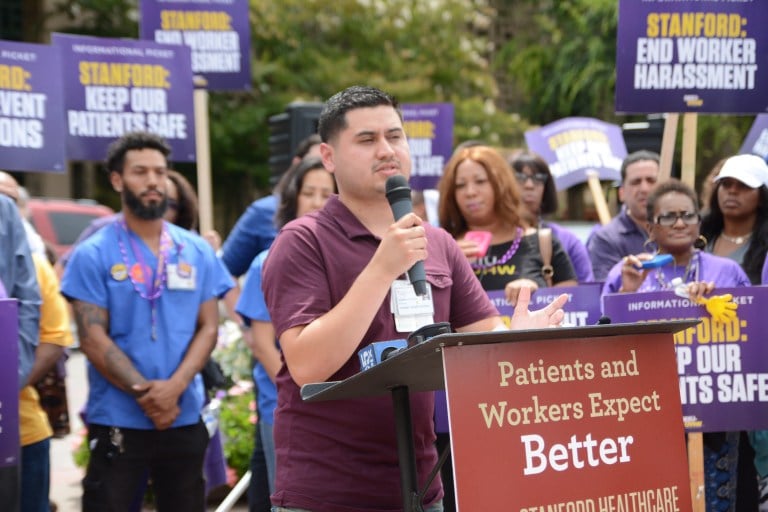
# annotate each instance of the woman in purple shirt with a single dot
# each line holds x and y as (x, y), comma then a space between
(674, 229)
(674, 223)
(539, 196)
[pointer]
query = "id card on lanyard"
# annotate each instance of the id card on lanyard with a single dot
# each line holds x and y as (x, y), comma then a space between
(410, 310)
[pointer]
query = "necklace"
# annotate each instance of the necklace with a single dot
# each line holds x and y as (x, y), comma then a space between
(691, 271)
(152, 288)
(738, 240)
(506, 256)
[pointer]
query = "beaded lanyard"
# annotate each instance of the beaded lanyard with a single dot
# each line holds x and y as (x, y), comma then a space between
(506, 256)
(692, 267)
(152, 290)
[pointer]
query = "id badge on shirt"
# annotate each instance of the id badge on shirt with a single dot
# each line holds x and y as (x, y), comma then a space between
(410, 310)
(181, 276)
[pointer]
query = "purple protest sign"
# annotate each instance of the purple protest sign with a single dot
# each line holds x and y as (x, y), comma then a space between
(31, 115)
(756, 142)
(114, 86)
(582, 308)
(429, 128)
(9, 383)
(217, 32)
(723, 367)
(575, 145)
(691, 56)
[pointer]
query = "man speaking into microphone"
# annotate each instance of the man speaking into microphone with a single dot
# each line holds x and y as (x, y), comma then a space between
(334, 282)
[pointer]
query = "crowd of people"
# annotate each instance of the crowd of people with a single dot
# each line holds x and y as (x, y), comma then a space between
(323, 264)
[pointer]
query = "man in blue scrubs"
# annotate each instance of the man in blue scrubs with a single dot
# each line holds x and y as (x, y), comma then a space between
(144, 293)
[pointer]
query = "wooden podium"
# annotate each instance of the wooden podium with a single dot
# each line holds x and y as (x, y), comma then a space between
(583, 418)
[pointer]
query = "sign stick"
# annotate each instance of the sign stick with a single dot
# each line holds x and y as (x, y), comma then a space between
(599, 197)
(688, 167)
(668, 146)
(203, 145)
(696, 470)
(695, 439)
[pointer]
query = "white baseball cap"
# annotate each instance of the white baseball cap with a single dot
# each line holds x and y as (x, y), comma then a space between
(751, 170)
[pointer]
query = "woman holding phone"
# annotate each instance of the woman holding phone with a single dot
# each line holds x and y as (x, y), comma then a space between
(479, 193)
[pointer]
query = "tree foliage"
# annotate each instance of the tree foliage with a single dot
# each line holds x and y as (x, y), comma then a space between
(560, 61)
(564, 64)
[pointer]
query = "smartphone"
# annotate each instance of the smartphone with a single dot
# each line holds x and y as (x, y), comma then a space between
(657, 261)
(482, 239)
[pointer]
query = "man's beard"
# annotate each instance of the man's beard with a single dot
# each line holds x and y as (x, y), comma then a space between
(152, 211)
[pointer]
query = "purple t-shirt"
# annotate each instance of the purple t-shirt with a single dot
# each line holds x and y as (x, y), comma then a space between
(577, 252)
(620, 237)
(724, 272)
(341, 456)
(764, 274)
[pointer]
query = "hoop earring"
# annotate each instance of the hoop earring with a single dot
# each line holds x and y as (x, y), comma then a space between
(700, 243)
(650, 246)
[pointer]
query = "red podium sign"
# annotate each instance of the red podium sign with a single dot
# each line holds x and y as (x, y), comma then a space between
(576, 425)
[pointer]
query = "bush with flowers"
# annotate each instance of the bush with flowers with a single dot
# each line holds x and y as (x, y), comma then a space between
(236, 405)
(237, 416)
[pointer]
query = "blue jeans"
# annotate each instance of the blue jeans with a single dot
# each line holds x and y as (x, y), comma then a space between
(36, 476)
(437, 507)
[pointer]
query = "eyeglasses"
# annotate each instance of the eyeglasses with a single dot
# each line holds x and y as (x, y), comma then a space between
(537, 177)
(670, 219)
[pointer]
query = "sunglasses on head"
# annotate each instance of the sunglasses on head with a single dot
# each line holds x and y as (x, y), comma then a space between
(669, 219)
(537, 177)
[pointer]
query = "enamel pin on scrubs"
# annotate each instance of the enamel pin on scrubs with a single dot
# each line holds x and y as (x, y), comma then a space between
(148, 287)
(119, 272)
(410, 310)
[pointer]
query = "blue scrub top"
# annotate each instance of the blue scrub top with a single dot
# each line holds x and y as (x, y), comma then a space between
(251, 306)
(253, 233)
(98, 273)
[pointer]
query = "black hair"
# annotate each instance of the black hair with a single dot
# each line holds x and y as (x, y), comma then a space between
(522, 160)
(187, 210)
(637, 156)
(667, 187)
(133, 140)
(713, 223)
(290, 189)
(333, 116)
(306, 144)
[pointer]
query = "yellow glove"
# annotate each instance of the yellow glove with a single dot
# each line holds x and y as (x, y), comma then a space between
(721, 307)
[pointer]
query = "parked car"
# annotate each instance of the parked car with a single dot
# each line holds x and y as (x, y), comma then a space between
(60, 221)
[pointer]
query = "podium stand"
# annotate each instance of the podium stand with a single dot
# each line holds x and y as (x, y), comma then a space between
(421, 368)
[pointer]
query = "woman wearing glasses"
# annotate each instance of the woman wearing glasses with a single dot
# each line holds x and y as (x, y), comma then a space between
(539, 196)
(478, 192)
(673, 227)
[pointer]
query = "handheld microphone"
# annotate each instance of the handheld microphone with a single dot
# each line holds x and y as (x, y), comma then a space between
(399, 197)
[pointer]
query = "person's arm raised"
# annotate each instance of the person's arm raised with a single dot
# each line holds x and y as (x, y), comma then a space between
(315, 351)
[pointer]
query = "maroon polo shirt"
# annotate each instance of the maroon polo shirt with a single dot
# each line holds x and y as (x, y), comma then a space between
(341, 456)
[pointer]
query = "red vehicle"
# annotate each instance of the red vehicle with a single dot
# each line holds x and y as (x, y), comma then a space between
(60, 221)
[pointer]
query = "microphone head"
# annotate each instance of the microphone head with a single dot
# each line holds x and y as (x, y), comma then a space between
(397, 188)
